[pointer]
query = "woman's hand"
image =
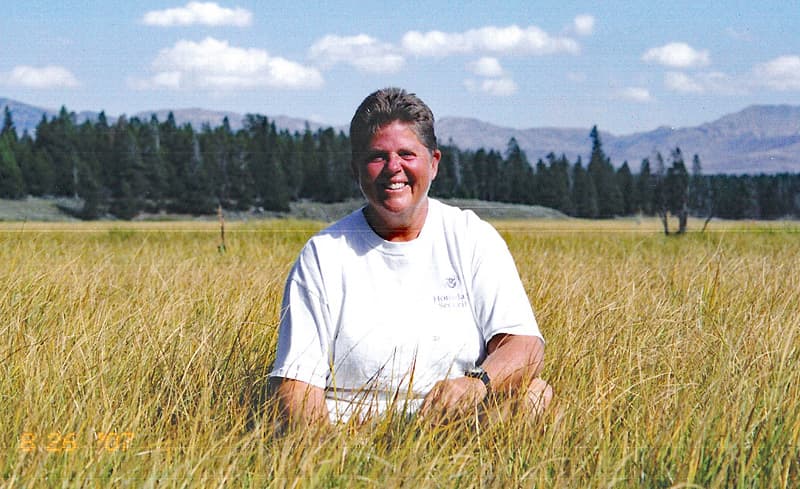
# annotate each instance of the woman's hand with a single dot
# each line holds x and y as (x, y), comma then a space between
(451, 398)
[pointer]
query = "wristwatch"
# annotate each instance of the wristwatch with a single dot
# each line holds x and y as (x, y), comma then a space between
(480, 373)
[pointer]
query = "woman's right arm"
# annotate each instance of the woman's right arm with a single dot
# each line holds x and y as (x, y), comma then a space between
(300, 403)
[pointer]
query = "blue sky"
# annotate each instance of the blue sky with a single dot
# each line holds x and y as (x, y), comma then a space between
(625, 66)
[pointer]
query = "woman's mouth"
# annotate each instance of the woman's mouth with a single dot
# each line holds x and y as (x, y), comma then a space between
(395, 185)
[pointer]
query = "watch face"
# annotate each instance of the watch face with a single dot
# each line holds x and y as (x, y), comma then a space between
(475, 372)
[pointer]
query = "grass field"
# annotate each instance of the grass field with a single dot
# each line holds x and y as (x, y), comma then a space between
(133, 355)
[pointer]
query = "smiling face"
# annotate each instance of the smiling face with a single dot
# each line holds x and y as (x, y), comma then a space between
(395, 175)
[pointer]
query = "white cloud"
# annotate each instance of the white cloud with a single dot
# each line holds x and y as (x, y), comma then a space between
(494, 82)
(636, 94)
(204, 13)
(50, 76)
(487, 67)
(677, 55)
(681, 82)
(214, 64)
(167, 79)
(363, 52)
(782, 73)
(502, 40)
(499, 87)
(713, 82)
(583, 25)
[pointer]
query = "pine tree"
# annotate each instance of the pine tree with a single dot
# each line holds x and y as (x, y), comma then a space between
(600, 170)
(102, 162)
(446, 183)
(644, 188)
(583, 192)
(560, 177)
(154, 166)
(12, 185)
(25, 161)
(176, 146)
(483, 181)
(517, 177)
(326, 162)
(89, 191)
(57, 139)
(128, 184)
(198, 198)
(677, 189)
(469, 178)
(213, 147)
(660, 199)
(241, 188)
(315, 175)
(700, 198)
(43, 174)
(289, 159)
(271, 190)
(627, 187)
(8, 130)
(544, 191)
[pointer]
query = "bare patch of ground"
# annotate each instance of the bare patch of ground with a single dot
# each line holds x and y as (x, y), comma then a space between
(64, 209)
(38, 209)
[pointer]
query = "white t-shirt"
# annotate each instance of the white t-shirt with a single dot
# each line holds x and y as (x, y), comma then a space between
(378, 323)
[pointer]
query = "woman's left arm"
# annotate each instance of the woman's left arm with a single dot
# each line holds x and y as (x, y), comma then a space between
(511, 361)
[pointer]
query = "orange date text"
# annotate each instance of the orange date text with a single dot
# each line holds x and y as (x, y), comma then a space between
(67, 442)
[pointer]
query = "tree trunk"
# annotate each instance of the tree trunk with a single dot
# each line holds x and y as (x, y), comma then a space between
(664, 221)
(683, 218)
(706, 222)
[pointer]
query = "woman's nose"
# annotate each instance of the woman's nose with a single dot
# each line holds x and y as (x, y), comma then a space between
(394, 164)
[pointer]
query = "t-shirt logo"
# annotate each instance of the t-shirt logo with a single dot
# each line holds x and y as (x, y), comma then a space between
(450, 296)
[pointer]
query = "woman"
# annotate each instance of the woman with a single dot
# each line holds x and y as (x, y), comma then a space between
(407, 303)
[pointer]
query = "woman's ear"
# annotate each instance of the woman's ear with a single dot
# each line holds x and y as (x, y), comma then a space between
(435, 157)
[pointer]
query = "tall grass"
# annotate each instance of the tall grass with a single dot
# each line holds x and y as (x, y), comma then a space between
(135, 355)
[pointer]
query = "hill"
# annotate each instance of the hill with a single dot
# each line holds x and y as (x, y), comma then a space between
(764, 138)
(758, 139)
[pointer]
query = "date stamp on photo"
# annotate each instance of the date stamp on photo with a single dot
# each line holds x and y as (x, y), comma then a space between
(67, 442)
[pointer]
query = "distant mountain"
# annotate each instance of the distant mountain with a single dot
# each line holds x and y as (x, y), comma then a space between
(537, 143)
(198, 117)
(755, 140)
(27, 117)
(762, 138)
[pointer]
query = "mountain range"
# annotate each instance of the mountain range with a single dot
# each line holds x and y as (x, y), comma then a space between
(757, 139)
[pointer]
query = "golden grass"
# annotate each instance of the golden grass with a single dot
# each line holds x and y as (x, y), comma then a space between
(133, 355)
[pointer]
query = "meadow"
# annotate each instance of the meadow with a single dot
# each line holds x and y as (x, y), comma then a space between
(136, 354)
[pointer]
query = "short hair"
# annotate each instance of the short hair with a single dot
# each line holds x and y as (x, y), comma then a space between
(385, 106)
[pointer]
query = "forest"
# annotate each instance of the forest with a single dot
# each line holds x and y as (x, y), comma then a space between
(130, 166)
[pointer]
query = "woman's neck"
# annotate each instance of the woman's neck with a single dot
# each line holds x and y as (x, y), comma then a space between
(396, 228)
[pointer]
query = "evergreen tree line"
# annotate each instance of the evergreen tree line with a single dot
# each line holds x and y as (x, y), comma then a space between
(132, 166)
